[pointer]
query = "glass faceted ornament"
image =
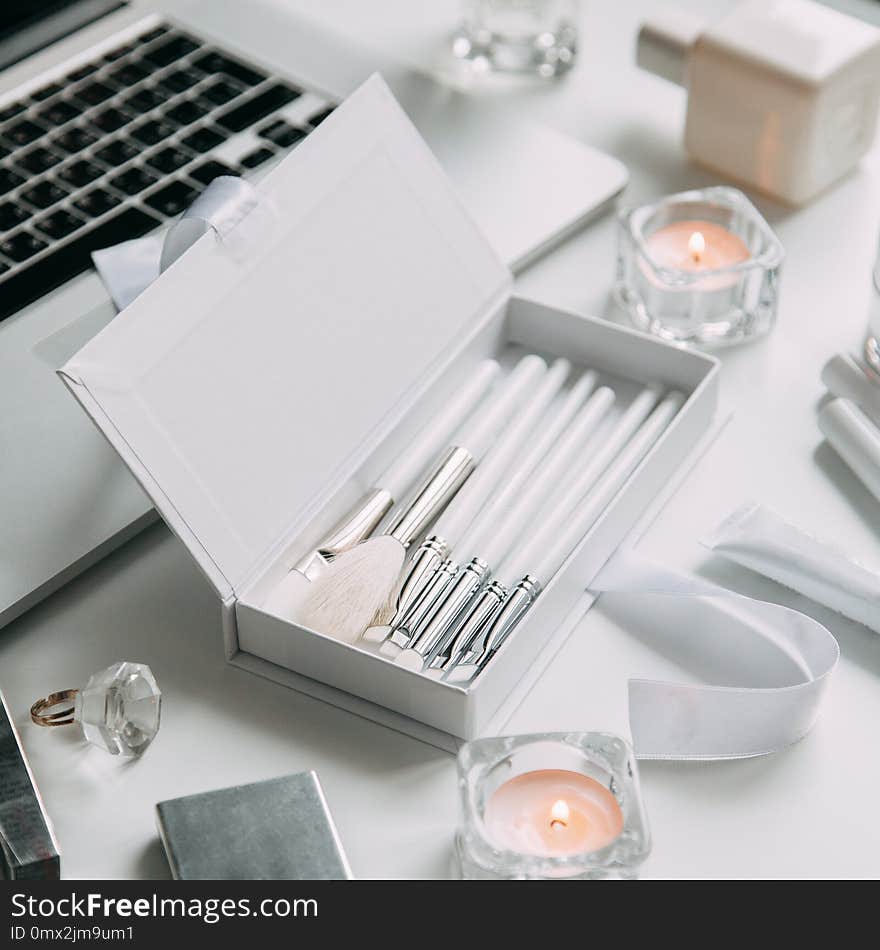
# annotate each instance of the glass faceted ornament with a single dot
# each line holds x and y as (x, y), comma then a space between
(119, 708)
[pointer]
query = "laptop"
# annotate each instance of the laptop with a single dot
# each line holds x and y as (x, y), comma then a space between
(113, 116)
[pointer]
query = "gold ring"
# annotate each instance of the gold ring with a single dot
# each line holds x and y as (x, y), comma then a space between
(62, 717)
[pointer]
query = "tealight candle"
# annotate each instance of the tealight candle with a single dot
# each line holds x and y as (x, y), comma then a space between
(553, 812)
(699, 267)
(551, 806)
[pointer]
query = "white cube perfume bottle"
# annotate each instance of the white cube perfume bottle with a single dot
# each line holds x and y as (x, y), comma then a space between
(782, 95)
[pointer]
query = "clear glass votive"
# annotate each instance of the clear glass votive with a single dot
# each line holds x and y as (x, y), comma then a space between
(550, 806)
(700, 267)
(518, 36)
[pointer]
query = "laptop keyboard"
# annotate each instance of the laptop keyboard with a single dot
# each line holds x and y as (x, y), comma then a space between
(124, 143)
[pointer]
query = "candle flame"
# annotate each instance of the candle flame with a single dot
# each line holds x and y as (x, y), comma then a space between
(559, 814)
(696, 245)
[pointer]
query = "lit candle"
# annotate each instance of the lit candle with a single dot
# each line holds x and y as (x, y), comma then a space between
(695, 246)
(553, 813)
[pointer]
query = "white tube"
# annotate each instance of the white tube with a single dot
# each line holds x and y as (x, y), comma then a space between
(462, 510)
(759, 539)
(481, 430)
(515, 519)
(552, 426)
(855, 439)
(406, 470)
(600, 459)
(845, 377)
(562, 530)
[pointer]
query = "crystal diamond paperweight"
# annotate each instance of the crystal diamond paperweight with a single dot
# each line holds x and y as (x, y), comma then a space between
(119, 708)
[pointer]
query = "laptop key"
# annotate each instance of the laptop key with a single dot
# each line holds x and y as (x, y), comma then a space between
(11, 215)
(208, 171)
(171, 50)
(203, 140)
(145, 100)
(70, 259)
(116, 153)
(129, 73)
(214, 62)
(256, 158)
(23, 132)
(15, 108)
(172, 199)
(169, 160)
(282, 133)
(59, 112)
(149, 133)
(180, 80)
(95, 93)
(9, 180)
(21, 246)
(118, 53)
(37, 160)
(74, 140)
(80, 173)
(133, 180)
(96, 202)
(82, 72)
(221, 92)
(44, 193)
(59, 224)
(110, 119)
(42, 94)
(319, 117)
(187, 112)
(240, 117)
(153, 34)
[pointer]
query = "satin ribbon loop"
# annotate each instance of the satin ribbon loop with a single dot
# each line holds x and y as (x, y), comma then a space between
(775, 664)
(224, 207)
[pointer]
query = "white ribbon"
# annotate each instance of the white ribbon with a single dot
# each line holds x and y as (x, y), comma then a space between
(770, 665)
(129, 268)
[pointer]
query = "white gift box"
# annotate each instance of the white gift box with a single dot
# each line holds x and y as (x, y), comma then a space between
(259, 386)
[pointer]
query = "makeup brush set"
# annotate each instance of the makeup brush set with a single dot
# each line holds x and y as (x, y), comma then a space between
(399, 477)
(536, 468)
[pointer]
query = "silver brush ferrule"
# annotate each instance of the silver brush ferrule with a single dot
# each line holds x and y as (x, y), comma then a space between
(403, 634)
(471, 640)
(441, 627)
(433, 495)
(356, 526)
(427, 557)
(515, 605)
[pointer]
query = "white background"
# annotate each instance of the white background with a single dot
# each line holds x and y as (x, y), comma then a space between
(806, 812)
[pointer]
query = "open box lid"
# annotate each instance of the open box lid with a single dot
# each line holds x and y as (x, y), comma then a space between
(243, 380)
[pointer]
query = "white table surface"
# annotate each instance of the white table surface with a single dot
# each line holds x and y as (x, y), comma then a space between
(806, 812)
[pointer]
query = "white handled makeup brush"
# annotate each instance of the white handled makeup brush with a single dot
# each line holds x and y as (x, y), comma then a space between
(546, 551)
(469, 501)
(357, 583)
(492, 540)
(472, 630)
(430, 555)
(363, 519)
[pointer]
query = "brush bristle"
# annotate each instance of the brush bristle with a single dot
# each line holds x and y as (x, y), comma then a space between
(357, 583)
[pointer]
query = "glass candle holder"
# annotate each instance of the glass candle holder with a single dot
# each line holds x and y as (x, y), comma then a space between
(537, 37)
(550, 806)
(700, 267)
